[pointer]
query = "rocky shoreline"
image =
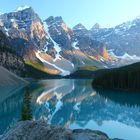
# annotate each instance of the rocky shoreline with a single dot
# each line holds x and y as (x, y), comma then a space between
(36, 130)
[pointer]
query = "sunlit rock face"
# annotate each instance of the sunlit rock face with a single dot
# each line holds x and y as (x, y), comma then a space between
(75, 45)
(86, 43)
(28, 35)
(80, 47)
(24, 25)
(78, 38)
(60, 32)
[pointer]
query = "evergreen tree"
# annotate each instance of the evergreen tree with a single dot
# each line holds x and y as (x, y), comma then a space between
(26, 113)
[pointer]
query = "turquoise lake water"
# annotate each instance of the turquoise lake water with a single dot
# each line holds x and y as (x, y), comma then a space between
(75, 104)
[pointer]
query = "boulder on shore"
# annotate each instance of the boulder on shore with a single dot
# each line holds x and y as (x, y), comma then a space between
(36, 130)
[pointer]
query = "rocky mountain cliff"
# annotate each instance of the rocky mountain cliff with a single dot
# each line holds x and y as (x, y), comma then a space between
(25, 29)
(55, 48)
(77, 38)
(123, 38)
(8, 57)
(51, 45)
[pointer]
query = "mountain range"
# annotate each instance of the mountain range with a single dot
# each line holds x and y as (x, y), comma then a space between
(52, 47)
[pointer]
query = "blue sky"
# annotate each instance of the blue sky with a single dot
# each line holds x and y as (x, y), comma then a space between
(107, 13)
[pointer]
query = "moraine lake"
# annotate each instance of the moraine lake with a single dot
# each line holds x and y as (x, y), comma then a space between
(74, 104)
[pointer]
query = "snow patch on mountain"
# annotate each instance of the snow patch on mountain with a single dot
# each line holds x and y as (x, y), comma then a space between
(121, 29)
(21, 8)
(74, 45)
(83, 62)
(116, 31)
(12, 20)
(126, 56)
(79, 27)
(56, 46)
(63, 72)
(45, 48)
(6, 31)
(126, 26)
(1, 13)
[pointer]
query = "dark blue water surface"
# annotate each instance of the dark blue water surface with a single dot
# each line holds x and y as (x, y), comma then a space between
(75, 104)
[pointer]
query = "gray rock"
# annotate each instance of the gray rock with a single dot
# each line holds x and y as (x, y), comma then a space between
(35, 130)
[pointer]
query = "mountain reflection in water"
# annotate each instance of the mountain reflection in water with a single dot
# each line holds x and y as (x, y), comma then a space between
(75, 104)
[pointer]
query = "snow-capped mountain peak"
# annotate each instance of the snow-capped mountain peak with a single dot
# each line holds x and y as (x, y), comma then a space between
(1, 13)
(122, 38)
(96, 26)
(21, 8)
(79, 27)
(62, 49)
